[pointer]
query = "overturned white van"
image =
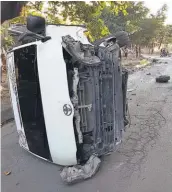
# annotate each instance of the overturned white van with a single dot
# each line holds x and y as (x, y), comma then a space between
(68, 96)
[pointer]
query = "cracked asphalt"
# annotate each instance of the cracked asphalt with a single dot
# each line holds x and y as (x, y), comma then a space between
(143, 163)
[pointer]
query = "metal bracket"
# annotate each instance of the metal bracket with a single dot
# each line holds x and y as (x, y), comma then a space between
(86, 106)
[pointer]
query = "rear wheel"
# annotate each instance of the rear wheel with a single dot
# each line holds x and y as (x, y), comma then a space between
(122, 38)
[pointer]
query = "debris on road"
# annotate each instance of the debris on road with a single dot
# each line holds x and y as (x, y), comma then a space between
(163, 79)
(148, 74)
(77, 173)
(6, 173)
(130, 90)
(155, 60)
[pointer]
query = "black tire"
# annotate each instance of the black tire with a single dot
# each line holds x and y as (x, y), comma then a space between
(122, 38)
(163, 79)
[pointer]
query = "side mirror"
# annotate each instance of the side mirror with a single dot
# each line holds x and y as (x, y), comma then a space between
(36, 24)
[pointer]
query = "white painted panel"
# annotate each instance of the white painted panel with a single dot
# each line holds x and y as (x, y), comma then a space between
(55, 94)
(14, 100)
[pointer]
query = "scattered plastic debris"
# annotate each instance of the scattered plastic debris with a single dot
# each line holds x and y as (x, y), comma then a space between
(155, 60)
(77, 173)
(130, 90)
(7, 173)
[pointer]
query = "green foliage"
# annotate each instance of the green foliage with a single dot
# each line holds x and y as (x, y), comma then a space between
(165, 35)
(101, 19)
(151, 29)
(89, 13)
(144, 30)
(6, 39)
(128, 22)
(147, 33)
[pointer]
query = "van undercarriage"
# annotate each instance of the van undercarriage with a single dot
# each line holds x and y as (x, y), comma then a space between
(97, 88)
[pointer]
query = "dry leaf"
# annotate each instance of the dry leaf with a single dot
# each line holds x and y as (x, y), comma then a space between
(7, 173)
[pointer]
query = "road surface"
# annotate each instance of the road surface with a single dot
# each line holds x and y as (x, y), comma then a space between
(143, 163)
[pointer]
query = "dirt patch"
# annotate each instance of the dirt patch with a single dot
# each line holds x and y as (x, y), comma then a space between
(135, 64)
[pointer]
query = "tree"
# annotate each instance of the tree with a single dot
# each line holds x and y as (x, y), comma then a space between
(75, 12)
(6, 39)
(102, 18)
(136, 11)
(151, 30)
(89, 13)
(165, 35)
(57, 12)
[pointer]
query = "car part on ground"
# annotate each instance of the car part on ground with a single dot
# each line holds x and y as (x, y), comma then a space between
(155, 60)
(78, 173)
(163, 79)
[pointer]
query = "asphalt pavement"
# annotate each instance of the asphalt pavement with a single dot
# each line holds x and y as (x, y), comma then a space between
(143, 163)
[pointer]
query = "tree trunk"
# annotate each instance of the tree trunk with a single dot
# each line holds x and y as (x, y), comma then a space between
(152, 51)
(139, 51)
(160, 42)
